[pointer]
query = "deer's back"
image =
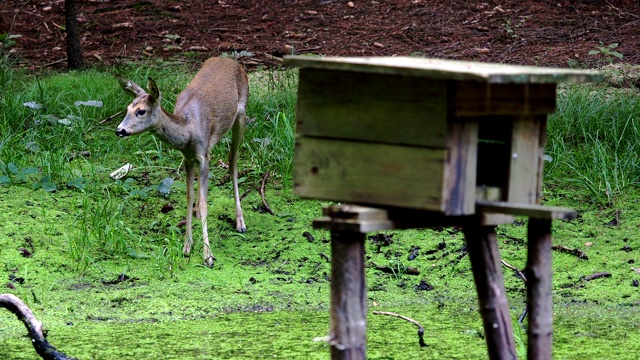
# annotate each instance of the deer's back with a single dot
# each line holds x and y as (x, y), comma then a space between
(215, 91)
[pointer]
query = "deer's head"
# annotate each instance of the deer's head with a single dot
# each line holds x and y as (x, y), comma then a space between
(143, 113)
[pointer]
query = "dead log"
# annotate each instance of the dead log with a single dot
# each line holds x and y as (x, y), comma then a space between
(597, 276)
(34, 327)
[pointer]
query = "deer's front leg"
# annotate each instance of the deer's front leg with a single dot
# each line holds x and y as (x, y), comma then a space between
(188, 239)
(236, 138)
(203, 190)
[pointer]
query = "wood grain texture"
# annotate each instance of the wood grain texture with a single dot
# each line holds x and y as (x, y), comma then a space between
(460, 170)
(526, 160)
(366, 173)
(347, 335)
(371, 107)
(530, 210)
(492, 298)
(473, 98)
(539, 286)
(446, 69)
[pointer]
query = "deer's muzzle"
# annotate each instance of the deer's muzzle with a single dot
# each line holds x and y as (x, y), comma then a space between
(122, 132)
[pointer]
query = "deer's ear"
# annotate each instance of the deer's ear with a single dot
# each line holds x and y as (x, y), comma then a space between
(132, 89)
(153, 89)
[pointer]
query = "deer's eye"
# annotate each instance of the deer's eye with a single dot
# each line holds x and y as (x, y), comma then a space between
(140, 112)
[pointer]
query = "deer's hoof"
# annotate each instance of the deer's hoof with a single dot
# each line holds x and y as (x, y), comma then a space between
(240, 226)
(208, 262)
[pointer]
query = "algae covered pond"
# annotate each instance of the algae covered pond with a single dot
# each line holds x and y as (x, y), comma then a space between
(272, 304)
(452, 333)
(99, 260)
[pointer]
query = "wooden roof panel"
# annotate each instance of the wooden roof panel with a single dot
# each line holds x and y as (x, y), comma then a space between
(446, 69)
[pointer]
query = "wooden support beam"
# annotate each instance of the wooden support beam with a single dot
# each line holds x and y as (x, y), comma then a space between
(492, 298)
(347, 335)
(539, 300)
(530, 210)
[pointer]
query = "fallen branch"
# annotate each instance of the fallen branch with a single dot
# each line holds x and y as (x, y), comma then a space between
(517, 271)
(420, 328)
(34, 327)
(406, 269)
(107, 119)
(597, 276)
(577, 252)
(522, 276)
(264, 200)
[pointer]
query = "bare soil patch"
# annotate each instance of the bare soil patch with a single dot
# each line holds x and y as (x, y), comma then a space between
(530, 32)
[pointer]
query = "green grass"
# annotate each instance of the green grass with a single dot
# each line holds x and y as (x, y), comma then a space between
(41, 144)
(594, 140)
(85, 230)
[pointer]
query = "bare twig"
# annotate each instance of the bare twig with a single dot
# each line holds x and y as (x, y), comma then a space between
(264, 200)
(420, 328)
(107, 119)
(518, 272)
(247, 192)
(54, 63)
(34, 327)
(524, 278)
(577, 252)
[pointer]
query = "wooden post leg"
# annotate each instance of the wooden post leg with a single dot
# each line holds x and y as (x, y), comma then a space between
(539, 287)
(348, 296)
(487, 273)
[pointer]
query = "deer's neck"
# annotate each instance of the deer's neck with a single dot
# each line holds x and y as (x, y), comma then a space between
(173, 129)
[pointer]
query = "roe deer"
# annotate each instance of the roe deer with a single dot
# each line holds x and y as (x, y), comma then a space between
(212, 103)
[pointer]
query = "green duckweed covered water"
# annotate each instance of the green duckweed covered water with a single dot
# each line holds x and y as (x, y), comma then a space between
(104, 272)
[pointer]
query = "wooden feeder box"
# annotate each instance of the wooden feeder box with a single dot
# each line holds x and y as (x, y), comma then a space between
(425, 142)
(421, 133)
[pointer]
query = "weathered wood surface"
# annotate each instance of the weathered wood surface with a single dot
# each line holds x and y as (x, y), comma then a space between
(539, 286)
(530, 210)
(472, 98)
(446, 69)
(527, 152)
(367, 173)
(379, 109)
(347, 336)
(492, 297)
(367, 219)
(461, 166)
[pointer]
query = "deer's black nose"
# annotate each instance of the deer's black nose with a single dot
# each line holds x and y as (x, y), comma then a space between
(122, 132)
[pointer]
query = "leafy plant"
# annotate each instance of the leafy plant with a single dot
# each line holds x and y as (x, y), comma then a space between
(512, 28)
(606, 53)
(7, 40)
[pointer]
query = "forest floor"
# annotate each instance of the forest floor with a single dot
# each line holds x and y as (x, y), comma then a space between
(557, 33)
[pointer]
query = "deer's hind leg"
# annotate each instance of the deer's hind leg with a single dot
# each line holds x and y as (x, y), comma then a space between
(188, 239)
(236, 138)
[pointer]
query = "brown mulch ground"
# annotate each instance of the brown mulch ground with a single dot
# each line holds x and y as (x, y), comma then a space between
(531, 32)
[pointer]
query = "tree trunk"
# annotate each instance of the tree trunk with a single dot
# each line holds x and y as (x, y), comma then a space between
(75, 61)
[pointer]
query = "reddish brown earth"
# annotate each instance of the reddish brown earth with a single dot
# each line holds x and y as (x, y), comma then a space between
(531, 32)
